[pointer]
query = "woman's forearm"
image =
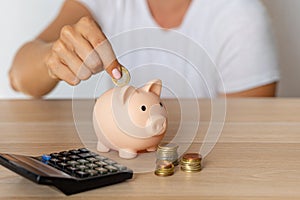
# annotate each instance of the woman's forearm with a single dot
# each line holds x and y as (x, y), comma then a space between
(29, 73)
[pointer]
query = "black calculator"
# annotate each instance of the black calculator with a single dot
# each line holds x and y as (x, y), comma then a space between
(70, 171)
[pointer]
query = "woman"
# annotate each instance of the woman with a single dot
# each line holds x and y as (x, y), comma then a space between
(235, 33)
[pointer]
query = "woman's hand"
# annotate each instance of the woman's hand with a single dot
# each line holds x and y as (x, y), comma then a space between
(71, 48)
(81, 50)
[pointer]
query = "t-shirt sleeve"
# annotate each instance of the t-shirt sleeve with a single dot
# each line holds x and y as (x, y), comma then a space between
(93, 6)
(247, 56)
(103, 12)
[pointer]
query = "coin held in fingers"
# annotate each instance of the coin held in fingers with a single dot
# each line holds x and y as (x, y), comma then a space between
(125, 78)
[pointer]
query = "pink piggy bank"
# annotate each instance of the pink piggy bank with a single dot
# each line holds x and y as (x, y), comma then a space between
(128, 119)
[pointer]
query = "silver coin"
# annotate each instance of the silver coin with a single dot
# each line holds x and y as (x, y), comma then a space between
(168, 146)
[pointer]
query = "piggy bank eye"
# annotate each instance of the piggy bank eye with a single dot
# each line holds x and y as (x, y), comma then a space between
(161, 105)
(143, 108)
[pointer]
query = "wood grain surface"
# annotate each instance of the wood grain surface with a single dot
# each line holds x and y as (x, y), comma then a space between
(256, 156)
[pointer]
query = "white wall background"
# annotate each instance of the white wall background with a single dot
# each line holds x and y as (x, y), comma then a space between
(286, 20)
(21, 21)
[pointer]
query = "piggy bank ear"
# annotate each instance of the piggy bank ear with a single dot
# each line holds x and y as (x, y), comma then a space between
(125, 93)
(153, 86)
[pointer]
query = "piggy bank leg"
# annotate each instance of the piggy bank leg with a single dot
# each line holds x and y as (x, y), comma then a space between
(127, 154)
(152, 148)
(102, 148)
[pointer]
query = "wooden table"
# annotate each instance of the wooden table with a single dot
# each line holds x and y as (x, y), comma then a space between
(256, 157)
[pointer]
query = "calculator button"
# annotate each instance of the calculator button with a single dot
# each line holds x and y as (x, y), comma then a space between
(64, 153)
(93, 154)
(83, 150)
(74, 157)
(82, 161)
(91, 172)
(101, 170)
(45, 158)
(120, 167)
(92, 159)
(111, 168)
(82, 174)
(110, 162)
(91, 165)
(54, 161)
(73, 163)
(54, 155)
(100, 157)
(82, 167)
(101, 163)
(74, 151)
(72, 169)
(64, 159)
(85, 155)
(62, 165)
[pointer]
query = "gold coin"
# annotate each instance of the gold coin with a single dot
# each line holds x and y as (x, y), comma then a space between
(184, 161)
(163, 174)
(191, 168)
(164, 168)
(124, 80)
(194, 165)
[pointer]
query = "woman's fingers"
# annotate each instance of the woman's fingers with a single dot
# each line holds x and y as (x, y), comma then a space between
(88, 28)
(58, 70)
(74, 41)
(70, 59)
(82, 50)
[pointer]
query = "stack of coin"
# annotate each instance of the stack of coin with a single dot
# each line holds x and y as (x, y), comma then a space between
(191, 162)
(164, 168)
(167, 152)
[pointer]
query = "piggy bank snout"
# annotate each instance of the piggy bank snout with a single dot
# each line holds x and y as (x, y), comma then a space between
(157, 125)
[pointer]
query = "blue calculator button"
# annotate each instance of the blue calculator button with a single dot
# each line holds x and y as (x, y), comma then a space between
(46, 157)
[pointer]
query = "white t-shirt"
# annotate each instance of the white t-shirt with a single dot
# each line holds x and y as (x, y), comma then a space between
(221, 46)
